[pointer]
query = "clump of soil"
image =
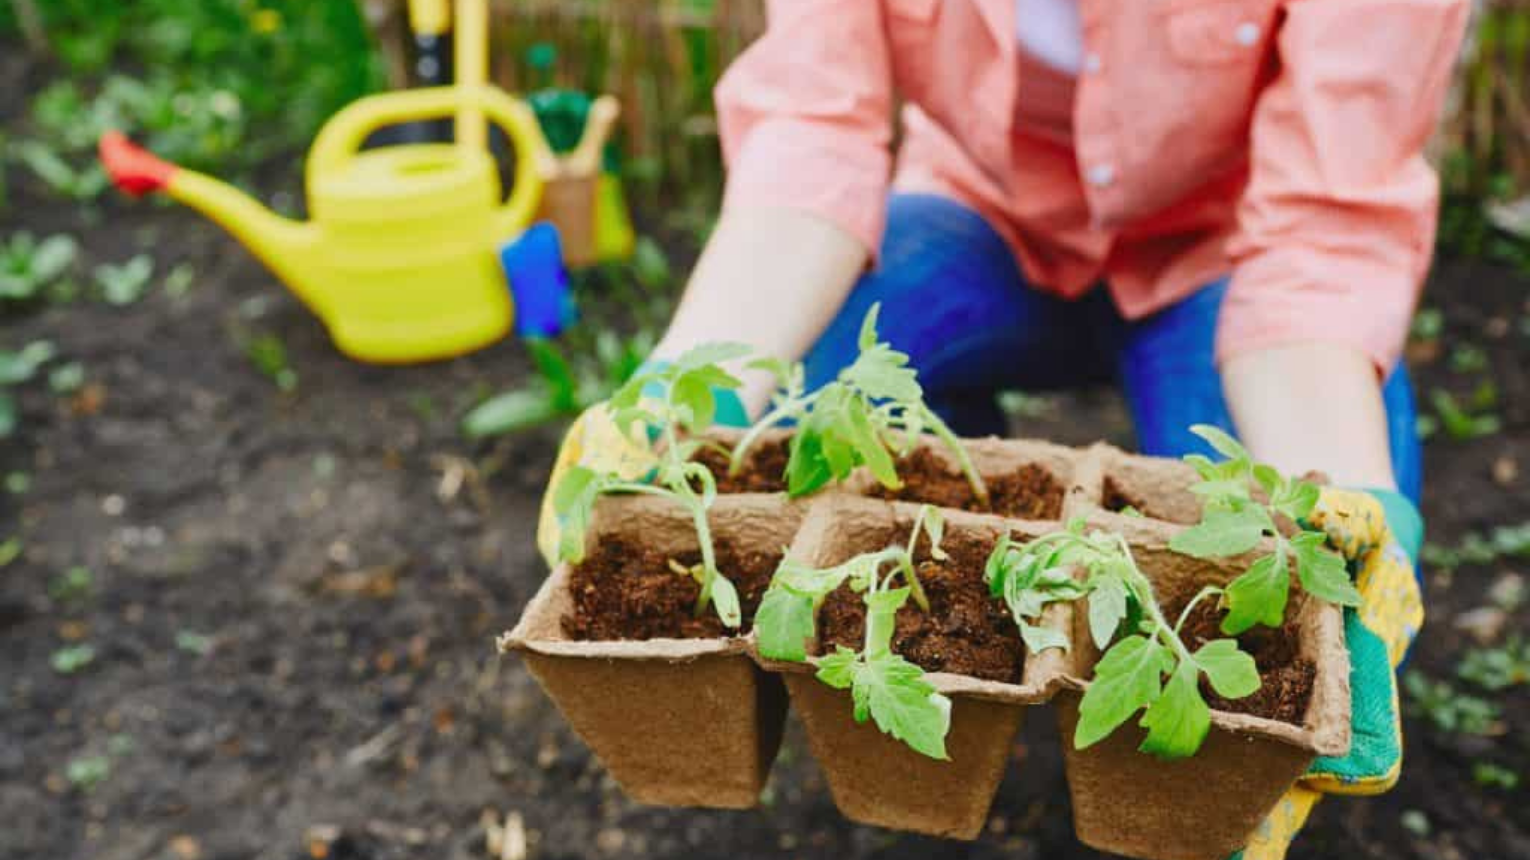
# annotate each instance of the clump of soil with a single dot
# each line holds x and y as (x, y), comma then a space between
(764, 469)
(966, 631)
(1286, 677)
(1029, 492)
(626, 590)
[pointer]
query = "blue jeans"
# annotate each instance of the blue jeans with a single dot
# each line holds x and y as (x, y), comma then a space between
(954, 299)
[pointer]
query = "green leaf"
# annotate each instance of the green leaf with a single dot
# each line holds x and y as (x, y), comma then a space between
(1218, 439)
(806, 469)
(556, 373)
(836, 670)
(694, 398)
(881, 374)
(868, 336)
(1126, 678)
(785, 623)
(1177, 722)
(1322, 572)
(1232, 673)
(1297, 501)
(1258, 596)
(902, 703)
(1223, 533)
(509, 412)
(1107, 606)
(711, 353)
(725, 601)
(868, 447)
(1269, 479)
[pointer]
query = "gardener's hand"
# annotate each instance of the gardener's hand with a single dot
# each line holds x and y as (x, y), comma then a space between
(1381, 532)
(597, 443)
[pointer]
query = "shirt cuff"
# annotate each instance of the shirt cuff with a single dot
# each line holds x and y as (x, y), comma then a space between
(1278, 299)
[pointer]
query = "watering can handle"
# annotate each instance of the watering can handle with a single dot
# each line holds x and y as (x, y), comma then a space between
(341, 138)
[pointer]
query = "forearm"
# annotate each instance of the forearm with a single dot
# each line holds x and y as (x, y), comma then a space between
(1312, 406)
(770, 278)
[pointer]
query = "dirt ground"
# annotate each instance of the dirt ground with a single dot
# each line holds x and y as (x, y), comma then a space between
(294, 598)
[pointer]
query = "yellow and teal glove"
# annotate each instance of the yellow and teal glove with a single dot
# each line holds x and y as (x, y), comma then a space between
(597, 443)
(1381, 532)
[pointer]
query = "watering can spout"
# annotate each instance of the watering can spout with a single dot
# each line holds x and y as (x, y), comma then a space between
(285, 246)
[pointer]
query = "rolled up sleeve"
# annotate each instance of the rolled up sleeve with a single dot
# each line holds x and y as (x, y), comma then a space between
(805, 115)
(1336, 227)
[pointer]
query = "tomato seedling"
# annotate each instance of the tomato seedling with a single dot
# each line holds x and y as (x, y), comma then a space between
(675, 403)
(1149, 666)
(873, 411)
(883, 685)
(1233, 522)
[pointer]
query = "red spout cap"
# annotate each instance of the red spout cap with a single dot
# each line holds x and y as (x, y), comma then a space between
(132, 168)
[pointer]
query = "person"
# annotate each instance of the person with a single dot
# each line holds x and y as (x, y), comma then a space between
(1222, 205)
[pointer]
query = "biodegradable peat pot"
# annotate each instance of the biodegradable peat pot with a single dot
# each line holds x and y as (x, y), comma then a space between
(677, 722)
(875, 779)
(1204, 807)
(1026, 479)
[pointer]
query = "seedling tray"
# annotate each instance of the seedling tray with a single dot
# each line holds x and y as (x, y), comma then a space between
(875, 779)
(710, 711)
(677, 722)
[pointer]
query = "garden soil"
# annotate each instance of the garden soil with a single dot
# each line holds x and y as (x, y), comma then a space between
(295, 596)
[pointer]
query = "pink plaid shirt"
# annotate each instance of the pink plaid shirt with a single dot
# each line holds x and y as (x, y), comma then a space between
(1277, 140)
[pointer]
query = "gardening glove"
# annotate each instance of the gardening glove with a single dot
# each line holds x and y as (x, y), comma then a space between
(1381, 532)
(597, 443)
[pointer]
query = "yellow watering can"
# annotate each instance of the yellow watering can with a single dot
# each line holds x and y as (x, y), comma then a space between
(400, 258)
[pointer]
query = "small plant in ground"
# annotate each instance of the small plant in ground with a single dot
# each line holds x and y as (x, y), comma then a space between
(564, 386)
(1475, 548)
(1473, 419)
(18, 368)
(1490, 775)
(80, 184)
(1450, 710)
(884, 686)
(87, 772)
(676, 402)
(125, 283)
(872, 412)
(29, 265)
(269, 355)
(1233, 522)
(72, 658)
(66, 378)
(72, 585)
(1497, 668)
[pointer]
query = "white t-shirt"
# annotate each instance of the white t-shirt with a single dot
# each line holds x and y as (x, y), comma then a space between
(1049, 30)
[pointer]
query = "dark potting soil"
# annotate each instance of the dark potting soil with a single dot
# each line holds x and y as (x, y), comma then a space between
(1029, 492)
(1286, 677)
(764, 469)
(625, 590)
(966, 631)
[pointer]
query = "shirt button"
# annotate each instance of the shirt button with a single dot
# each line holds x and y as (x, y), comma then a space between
(1247, 34)
(1092, 63)
(1101, 175)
